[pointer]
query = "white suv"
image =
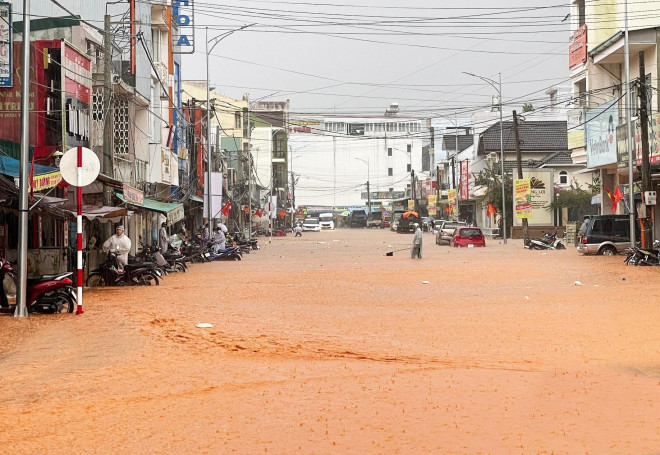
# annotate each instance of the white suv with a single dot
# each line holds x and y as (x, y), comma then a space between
(311, 224)
(326, 220)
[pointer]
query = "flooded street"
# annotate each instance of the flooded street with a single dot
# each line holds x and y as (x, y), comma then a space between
(324, 345)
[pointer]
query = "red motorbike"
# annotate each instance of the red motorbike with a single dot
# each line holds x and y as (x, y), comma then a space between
(45, 294)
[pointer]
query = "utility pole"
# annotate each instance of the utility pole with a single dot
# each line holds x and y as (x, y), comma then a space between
(647, 220)
(368, 203)
(23, 204)
(249, 157)
(107, 99)
(516, 140)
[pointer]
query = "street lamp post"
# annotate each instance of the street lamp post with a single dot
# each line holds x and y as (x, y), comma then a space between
(368, 189)
(215, 41)
(499, 92)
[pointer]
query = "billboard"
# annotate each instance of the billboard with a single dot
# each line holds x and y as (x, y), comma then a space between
(522, 190)
(654, 140)
(601, 134)
(541, 187)
(6, 63)
(465, 181)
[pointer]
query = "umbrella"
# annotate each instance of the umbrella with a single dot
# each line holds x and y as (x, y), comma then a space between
(410, 213)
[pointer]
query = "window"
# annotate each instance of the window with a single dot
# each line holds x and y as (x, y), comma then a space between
(563, 178)
(408, 167)
(409, 149)
(390, 172)
(155, 44)
(237, 119)
(581, 12)
(389, 151)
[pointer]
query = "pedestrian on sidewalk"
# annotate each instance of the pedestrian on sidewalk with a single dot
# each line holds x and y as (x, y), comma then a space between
(416, 247)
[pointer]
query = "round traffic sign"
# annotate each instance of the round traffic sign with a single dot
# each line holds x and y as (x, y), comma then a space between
(91, 166)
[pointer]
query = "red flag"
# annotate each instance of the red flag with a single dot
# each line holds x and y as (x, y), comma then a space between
(257, 213)
(618, 195)
(490, 210)
(281, 213)
(609, 194)
(225, 208)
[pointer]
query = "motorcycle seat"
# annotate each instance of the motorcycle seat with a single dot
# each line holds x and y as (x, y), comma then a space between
(141, 265)
(173, 256)
(40, 278)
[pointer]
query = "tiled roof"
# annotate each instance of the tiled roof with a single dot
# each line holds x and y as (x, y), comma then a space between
(540, 136)
(556, 159)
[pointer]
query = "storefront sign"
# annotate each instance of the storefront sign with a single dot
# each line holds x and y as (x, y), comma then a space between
(577, 49)
(451, 196)
(575, 127)
(6, 67)
(44, 181)
(523, 198)
(654, 140)
(133, 195)
(175, 215)
(622, 146)
(601, 134)
(542, 192)
(183, 32)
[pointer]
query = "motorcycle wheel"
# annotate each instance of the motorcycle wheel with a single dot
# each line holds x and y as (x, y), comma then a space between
(61, 299)
(95, 279)
(179, 267)
(147, 279)
(560, 246)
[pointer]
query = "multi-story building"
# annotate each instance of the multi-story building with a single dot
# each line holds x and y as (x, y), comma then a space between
(333, 158)
(598, 124)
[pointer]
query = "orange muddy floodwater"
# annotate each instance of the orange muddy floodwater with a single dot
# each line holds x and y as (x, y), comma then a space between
(323, 345)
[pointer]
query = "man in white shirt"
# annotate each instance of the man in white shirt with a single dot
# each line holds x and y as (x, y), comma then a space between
(120, 244)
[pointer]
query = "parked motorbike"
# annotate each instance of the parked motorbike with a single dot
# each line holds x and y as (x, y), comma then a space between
(107, 274)
(548, 242)
(636, 255)
(231, 253)
(45, 294)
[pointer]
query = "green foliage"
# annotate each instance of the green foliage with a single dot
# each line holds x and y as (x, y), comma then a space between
(527, 107)
(491, 179)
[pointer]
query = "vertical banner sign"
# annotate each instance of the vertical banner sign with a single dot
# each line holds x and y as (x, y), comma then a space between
(183, 32)
(465, 181)
(451, 197)
(654, 140)
(522, 192)
(5, 45)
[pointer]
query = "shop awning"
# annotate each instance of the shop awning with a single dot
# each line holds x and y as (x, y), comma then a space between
(44, 177)
(92, 212)
(173, 211)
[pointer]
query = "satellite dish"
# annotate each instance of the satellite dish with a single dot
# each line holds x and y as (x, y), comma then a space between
(91, 166)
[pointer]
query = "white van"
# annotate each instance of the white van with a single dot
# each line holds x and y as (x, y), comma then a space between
(327, 222)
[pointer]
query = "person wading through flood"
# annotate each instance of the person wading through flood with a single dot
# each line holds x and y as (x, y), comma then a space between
(416, 247)
(163, 239)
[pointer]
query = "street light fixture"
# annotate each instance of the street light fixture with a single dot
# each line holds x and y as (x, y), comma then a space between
(215, 41)
(499, 92)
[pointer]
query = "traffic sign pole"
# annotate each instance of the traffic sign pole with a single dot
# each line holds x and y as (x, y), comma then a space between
(79, 230)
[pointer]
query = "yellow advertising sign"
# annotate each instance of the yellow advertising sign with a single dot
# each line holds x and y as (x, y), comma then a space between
(522, 191)
(411, 204)
(451, 196)
(46, 181)
(431, 199)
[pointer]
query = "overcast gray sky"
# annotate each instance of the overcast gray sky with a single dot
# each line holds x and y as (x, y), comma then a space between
(356, 58)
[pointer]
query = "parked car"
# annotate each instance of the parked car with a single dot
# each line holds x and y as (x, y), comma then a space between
(467, 236)
(385, 223)
(358, 218)
(311, 224)
(327, 221)
(446, 230)
(604, 234)
(375, 219)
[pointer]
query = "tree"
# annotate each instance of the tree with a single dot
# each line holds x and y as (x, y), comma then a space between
(492, 180)
(575, 199)
(527, 107)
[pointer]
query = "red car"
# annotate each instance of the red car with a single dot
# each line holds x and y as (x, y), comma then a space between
(466, 236)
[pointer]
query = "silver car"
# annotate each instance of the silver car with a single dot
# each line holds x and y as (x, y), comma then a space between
(446, 231)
